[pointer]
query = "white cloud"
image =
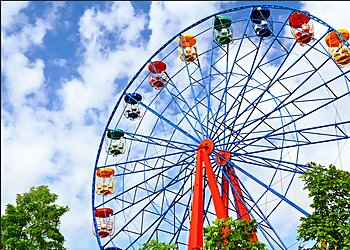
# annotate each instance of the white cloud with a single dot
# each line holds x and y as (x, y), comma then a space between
(15, 63)
(10, 13)
(22, 86)
(170, 17)
(334, 13)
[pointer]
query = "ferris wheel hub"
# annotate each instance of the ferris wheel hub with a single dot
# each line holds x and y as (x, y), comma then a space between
(207, 145)
(223, 157)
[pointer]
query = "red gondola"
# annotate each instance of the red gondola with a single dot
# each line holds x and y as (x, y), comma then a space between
(301, 27)
(105, 221)
(158, 76)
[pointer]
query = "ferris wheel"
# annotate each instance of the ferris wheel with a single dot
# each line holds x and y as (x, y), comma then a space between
(220, 122)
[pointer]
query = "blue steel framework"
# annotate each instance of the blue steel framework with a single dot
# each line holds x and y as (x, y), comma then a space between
(266, 101)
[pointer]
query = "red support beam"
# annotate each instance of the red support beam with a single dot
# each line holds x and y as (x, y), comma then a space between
(224, 184)
(221, 202)
(225, 192)
(242, 212)
(195, 240)
(214, 190)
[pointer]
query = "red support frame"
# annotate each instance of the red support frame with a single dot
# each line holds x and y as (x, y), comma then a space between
(225, 192)
(242, 212)
(196, 226)
(195, 241)
(225, 188)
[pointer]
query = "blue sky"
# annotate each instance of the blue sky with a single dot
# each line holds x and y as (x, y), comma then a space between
(63, 65)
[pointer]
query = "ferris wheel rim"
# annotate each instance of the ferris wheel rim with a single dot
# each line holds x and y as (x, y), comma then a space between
(158, 51)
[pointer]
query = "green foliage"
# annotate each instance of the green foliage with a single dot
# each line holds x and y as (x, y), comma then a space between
(34, 222)
(237, 238)
(329, 224)
(156, 245)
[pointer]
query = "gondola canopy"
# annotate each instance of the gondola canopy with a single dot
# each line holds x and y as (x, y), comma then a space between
(132, 98)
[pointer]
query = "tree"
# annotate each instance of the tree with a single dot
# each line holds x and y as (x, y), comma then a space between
(34, 222)
(329, 224)
(156, 245)
(237, 238)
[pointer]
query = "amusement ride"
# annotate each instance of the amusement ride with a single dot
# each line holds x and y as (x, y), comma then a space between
(220, 122)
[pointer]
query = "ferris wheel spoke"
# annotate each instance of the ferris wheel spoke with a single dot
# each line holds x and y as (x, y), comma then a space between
(268, 100)
(169, 122)
(190, 109)
(201, 82)
(242, 133)
(284, 198)
(227, 80)
(145, 159)
(158, 141)
(294, 134)
(175, 97)
(273, 82)
(252, 72)
(270, 163)
(150, 202)
(303, 116)
(207, 91)
(159, 156)
(186, 113)
(175, 201)
(253, 106)
(273, 175)
(182, 224)
(143, 211)
(175, 100)
(192, 89)
(284, 105)
(244, 89)
(222, 124)
(201, 102)
(309, 135)
(254, 207)
(209, 110)
(249, 74)
(256, 119)
(164, 170)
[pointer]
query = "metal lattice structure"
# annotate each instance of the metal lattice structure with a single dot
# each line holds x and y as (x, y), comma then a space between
(271, 104)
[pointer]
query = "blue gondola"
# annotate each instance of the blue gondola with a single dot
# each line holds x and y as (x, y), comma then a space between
(262, 21)
(133, 109)
(132, 98)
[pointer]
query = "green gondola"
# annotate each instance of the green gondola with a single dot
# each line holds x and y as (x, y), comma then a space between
(115, 142)
(223, 30)
(115, 134)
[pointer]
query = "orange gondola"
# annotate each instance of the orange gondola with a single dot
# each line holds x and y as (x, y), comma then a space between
(333, 40)
(187, 48)
(338, 50)
(105, 182)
